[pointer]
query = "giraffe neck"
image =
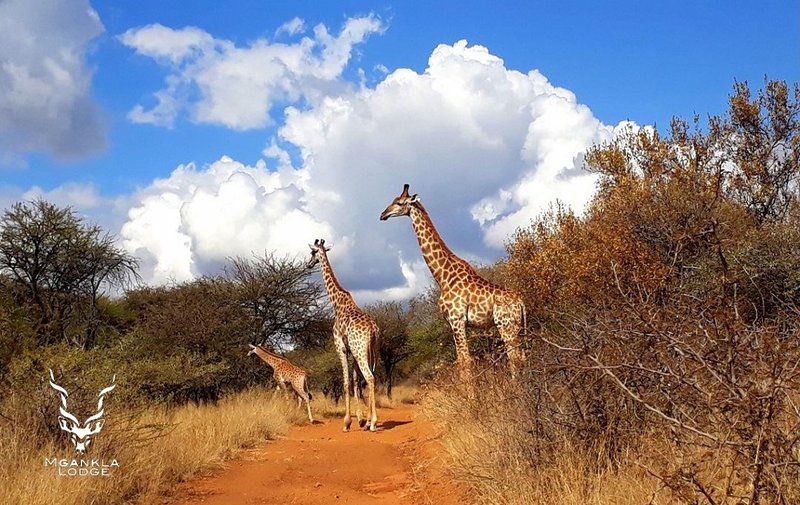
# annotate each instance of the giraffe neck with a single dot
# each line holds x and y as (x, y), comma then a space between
(269, 358)
(338, 295)
(435, 252)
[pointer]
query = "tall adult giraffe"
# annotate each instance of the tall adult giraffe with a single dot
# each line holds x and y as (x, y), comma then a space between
(466, 297)
(353, 331)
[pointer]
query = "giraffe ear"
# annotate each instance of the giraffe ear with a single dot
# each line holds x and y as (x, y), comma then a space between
(414, 198)
(312, 247)
(328, 247)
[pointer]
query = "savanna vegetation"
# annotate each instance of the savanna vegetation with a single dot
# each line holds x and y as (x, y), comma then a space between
(663, 358)
(71, 301)
(664, 363)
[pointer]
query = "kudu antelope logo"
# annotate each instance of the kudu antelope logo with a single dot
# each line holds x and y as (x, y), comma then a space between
(81, 434)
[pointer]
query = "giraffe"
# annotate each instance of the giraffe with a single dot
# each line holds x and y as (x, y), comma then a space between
(285, 372)
(354, 332)
(466, 297)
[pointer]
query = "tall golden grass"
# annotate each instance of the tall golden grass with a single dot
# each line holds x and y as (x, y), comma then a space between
(488, 448)
(155, 450)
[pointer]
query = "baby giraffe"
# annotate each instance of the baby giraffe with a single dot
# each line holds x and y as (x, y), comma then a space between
(285, 373)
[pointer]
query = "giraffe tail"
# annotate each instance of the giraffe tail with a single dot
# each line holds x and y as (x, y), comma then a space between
(373, 344)
(308, 390)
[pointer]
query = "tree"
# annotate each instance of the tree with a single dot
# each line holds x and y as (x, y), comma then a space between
(63, 265)
(393, 340)
(671, 305)
(190, 340)
(286, 308)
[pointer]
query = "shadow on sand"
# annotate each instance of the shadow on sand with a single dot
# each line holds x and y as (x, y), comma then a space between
(388, 425)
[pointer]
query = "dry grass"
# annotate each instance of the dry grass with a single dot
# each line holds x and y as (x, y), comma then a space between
(491, 454)
(155, 450)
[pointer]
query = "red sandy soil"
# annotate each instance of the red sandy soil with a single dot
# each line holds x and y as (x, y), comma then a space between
(319, 464)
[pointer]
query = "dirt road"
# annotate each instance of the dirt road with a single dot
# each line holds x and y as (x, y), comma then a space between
(320, 464)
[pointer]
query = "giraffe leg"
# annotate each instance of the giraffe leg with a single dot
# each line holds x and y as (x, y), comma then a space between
(509, 322)
(340, 349)
(363, 365)
(463, 358)
(302, 396)
(509, 335)
(307, 398)
(281, 389)
(358, 394)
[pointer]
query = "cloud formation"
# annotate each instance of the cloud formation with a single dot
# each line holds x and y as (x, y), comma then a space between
(486, 147)
(217, 82)
(45, 84)
(192, 220)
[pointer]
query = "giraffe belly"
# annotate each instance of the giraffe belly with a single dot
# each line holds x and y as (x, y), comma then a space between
(479, 319)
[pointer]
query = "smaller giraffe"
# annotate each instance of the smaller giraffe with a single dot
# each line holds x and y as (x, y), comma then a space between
(285, 372)
(354, 333)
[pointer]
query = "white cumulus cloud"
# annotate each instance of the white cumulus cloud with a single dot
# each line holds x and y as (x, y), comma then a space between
(486, 147)
(45, 83)
(217, 82)
(198, 217)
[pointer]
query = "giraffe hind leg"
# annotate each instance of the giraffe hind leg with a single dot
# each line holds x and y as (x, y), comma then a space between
(363, 365)
(346, 389)
(509, 324)
(358, 393)
(302, 396)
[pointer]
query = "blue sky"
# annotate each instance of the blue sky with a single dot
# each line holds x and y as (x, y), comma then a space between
(635, 61)
(625, 60)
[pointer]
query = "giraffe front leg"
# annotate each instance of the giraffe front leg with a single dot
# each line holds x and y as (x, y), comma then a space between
(280, 388)
(345, 380)
(463, 358)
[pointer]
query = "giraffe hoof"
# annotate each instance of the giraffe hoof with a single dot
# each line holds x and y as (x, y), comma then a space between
(362, 423)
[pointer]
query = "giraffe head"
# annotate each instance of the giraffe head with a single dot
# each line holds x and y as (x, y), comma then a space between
(400, 206)
(318, 249)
